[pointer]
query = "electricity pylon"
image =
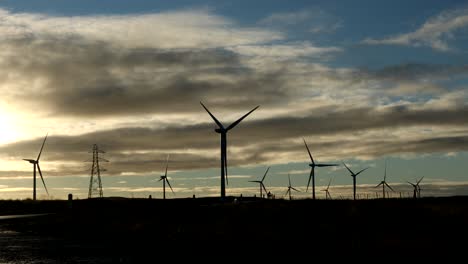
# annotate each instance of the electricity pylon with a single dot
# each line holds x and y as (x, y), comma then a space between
(95, 184)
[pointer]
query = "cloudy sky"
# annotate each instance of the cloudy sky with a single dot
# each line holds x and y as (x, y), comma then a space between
(361, 82)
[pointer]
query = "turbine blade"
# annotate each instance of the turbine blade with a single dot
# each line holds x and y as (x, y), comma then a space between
(361, 171)
(295, 189)
(42, 178)
(289, 179)
(30, 160)
(350, 171)
(308, 150)
(385, 173)
(160, 179)
(328, 186)
(414, 185)
(325, 165)
(168, 183)
(167, 164)
(389, 187)
(263, 186)
(378, 185)
(240, 119)
(42, 147)
(256, 181)
(212, 116)
(310, 178)
(265, 174)
(289, 190)
(420, 180)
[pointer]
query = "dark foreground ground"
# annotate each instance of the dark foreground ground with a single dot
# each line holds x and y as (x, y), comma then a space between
(114, 230)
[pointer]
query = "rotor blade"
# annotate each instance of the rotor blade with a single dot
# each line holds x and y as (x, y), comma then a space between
(263, 186)
(42, 178)
(361, 171)
(160, 179)
(328, 186)
(167, 164)
(169, 185)
(414, 185)
(310, 178)
(30, 160)
(240, 119)
(385, 173)
(325, 165)
(350, 171)
(265, 174)
(256, 181)
(42, 147)
(289, 178)
(378, 185)
(289, 190)
(420, 180)
(212, 116)
(295, 189)
(308, 150)
(389, 186)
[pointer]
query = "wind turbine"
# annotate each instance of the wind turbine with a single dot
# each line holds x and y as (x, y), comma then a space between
(354, 178)
(416, 188)
(327, 193)
(262, 186)
(290, 188)
(223, 132)
(164, 179)
(35, 164)
(312, 170)
(384, 182)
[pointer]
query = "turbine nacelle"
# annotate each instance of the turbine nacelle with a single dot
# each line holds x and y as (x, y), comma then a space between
(220, 130)
(31, 161)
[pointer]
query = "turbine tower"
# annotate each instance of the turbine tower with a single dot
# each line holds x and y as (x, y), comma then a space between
(35, 164)
(223, 132)
(95, 184)
(327, 192)
(312, 165)
(290, 188)
(164, 179)
(354, 179)
(384, 182)
(262, 186)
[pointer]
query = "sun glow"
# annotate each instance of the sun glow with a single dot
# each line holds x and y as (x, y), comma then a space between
(8, 132)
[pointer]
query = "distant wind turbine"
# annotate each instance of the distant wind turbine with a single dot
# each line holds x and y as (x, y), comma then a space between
(416, 188)
(327, 192)
(290, 188)
(35, 164)
(223, 132)
(354, 178)
(312, 170)
(384, 182)
(262, 186)
(164, 179)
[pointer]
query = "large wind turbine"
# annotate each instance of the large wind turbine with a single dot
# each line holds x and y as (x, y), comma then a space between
(384, 182)
(354, 178)
(164, 179)
(262, 186)
(327, 192)
(223, 132)
(312, 170)
(35, 164)
(290, 188)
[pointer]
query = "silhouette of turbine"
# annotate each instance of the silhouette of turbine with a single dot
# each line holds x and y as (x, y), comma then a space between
(290, 188)
(354, 178)
(327, 192)
(312, 170)
(164, 179)
(223, 132)
(384, 182)
(416, 188)
(262, 186)
(35, 164)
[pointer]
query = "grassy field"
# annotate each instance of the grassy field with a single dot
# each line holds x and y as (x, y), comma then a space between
(124, 228)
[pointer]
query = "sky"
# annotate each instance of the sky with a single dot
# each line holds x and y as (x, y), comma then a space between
(363, 82)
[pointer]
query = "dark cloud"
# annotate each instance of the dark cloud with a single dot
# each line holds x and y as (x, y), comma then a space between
(76, 77)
